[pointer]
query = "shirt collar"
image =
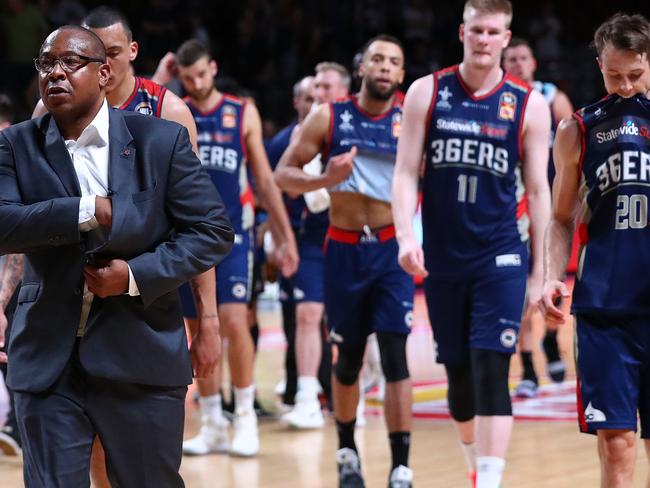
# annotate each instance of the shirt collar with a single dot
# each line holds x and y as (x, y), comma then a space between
(95, 133)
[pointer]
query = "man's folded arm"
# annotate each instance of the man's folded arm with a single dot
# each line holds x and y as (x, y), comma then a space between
(25, 228)
(203, 234)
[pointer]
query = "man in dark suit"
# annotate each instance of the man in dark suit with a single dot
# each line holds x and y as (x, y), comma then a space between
(113, 213)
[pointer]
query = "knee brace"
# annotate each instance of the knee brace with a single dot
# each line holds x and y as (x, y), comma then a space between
(491, 382)
(460, 392)
(349, 363)
(392, 352)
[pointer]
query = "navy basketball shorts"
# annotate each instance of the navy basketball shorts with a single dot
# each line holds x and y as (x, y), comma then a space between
(613, 360)
(234, 277)
(482, 313)
(366, 291)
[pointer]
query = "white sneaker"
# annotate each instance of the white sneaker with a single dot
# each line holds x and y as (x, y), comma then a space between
(245, 438)
(305, 415)
(213, 437)
(401, 477)
(361, 412)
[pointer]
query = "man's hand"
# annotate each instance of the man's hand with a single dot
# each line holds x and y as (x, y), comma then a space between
(104, 211)
(109, 279)
(411, 257)
(3, 328)
(166, 70)
(552, 290)
(534, 286)
(206, 346)
(285, 257)
(339, 167)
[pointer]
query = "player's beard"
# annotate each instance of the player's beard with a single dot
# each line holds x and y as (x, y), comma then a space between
(199, 96)
(378, 93)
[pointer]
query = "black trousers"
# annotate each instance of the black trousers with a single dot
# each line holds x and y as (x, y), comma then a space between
(140, 426)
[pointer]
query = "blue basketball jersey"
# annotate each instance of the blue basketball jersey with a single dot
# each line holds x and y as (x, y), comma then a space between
(615, 187)
(146, 98)
(472, 213)
(222, 151)
(375, 138)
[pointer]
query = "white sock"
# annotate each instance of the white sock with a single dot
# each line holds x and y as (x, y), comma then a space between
(469, 451)
(211, 406)
(489, 470)
(244, 398)
(307, 388)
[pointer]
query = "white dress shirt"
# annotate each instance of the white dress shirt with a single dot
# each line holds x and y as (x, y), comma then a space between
(90, 155)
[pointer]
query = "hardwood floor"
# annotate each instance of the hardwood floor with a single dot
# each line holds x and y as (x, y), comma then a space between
(543, 454)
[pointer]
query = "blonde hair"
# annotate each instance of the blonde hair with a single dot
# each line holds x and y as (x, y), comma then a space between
(489, 7)
(339, 68)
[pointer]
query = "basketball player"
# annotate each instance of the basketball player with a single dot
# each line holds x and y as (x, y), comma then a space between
(129, 92)
(603, 168)
(331, 82)
(365, 290)
(483, 134)
(303, 99)
(518, 59)
(230, 140)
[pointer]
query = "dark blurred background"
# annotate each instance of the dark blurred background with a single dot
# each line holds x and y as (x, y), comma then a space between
(266, 45)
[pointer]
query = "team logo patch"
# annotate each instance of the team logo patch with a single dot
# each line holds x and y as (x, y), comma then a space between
(239, 290)
(345, 124)
(396, 124)
(507, 106)
(229, 117)
(445, 95)
(298, 294)
(508, 338)
(594, 415)
(408, 319)
(144, 108)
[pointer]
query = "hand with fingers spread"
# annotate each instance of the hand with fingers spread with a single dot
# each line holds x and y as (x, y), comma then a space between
(110, 278)
(411, 257)
(340, 166)
(552, 290)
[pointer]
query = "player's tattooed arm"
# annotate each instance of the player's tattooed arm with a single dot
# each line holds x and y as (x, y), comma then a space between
(567, 151)
(11, 276)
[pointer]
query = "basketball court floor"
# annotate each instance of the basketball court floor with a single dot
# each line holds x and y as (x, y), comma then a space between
(546, 449)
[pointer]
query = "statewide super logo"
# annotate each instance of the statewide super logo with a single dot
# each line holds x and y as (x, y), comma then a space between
(507, 106)
(229, 117)
(626, 128)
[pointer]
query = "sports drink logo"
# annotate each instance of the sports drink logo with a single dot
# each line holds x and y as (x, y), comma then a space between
(628, 128)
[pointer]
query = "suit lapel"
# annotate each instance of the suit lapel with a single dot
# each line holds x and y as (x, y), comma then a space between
(59, 158)
(120, 166)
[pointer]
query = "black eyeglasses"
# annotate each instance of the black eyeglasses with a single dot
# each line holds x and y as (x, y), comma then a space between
(69, 63)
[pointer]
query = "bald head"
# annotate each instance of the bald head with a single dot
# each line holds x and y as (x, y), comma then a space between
(86, 41)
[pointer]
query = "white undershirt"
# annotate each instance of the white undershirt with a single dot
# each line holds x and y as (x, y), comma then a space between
(90, 155)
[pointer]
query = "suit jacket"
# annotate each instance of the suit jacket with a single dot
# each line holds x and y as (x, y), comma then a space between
(169, 223)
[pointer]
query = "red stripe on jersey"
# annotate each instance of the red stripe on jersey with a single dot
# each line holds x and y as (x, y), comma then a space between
(432, 106)
(354, 237)
(522, 206)
(242, 135)
(581, 408)
(521, 123)
(469, 92)
(583, 234)
(136, 87)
